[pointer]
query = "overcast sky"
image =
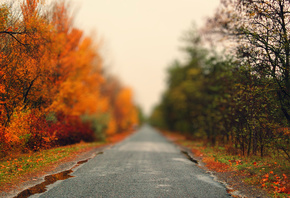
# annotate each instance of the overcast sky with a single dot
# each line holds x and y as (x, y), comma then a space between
(141, 38)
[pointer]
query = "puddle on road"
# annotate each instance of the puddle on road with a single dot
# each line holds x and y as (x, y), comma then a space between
(50, 179)
(189, 157)
(40, 188)
(82, 162)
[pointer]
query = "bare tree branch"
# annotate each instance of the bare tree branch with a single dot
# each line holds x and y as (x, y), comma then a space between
(12, 35)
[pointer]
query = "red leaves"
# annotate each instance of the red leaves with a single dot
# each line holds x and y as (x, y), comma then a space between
(9, 29)
(70, 130)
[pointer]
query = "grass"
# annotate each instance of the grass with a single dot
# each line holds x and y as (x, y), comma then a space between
(270, 173)
(13, 168)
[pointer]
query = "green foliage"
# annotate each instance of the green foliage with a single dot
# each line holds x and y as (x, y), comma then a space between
(98, 124)
(141, 116)
(224, 101)
(51, 117)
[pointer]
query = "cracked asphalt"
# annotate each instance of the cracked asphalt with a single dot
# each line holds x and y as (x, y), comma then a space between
(144, 165)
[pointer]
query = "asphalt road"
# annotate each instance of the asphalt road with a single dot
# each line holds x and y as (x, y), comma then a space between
(144, 165)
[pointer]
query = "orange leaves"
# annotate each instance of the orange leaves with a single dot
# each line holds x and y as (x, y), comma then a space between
(60, 18)
(265, 178)
(112, 126)
(9, 29)
(79, 90)
(126, 114)
(197, 152)
(26, 67)
(4, 13)
(48, 68)
(273, 181)
(2, 88)
(18, 127)
(123, 102)
(29, 10)
(123, 112)
(217, 166)
(283, 130)
(25, 129)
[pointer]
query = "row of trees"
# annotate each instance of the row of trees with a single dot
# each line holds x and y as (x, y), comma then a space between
(242, 99)
(53, 88)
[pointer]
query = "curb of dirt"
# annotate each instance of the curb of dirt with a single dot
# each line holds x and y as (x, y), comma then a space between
(69, 163)
(233, 182)
(214, 175)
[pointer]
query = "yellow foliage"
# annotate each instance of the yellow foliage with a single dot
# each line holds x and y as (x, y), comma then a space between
(112, 126)
(126, 113)
(79, 93)
(48, 66)
(18, 127)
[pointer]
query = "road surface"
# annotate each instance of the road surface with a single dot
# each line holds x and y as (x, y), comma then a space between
(144, 165)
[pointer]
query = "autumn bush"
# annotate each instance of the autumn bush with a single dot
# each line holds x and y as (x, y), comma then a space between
(39, 136)
(98, 124)
(26, 131)
(69, 130)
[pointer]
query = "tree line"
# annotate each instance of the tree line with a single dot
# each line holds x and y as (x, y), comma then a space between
(240, 97)
(54, 89)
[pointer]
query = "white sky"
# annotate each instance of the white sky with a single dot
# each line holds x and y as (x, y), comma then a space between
(141, 38)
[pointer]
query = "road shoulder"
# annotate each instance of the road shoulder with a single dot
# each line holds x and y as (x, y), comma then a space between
(231, 179)
(35, 178)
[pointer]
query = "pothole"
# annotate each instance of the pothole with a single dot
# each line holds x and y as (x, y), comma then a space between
(50, 179)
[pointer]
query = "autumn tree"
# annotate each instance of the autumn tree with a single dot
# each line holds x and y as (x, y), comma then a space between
(125, 112)
(25, 67)
(260, 30)
(53, 90)
(10, 23)
(110, 89)
(222, 100)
